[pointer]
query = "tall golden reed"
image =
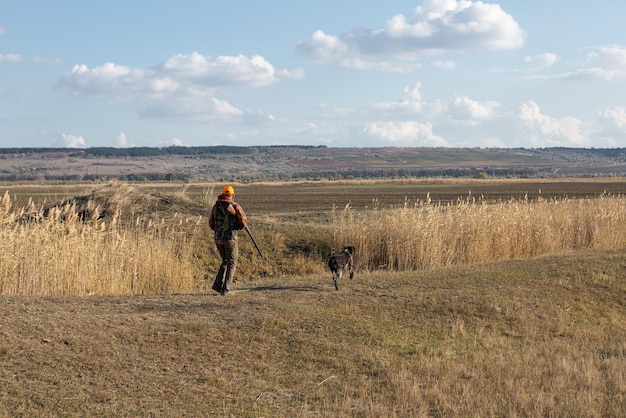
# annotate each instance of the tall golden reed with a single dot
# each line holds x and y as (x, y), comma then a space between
(420, 235)
(58, 254)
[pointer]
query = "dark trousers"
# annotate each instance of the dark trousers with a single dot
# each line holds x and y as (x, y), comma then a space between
(229, 252)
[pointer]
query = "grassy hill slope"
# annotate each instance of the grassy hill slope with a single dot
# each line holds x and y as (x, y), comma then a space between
(538, 337)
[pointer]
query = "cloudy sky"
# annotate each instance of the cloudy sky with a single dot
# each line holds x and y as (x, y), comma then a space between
(498, 73)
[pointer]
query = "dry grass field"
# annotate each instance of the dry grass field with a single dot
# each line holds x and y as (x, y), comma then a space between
(539, 337)
(110, 313)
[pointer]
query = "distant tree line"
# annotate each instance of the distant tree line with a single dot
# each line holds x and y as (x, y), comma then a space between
(398, 173)
(308, 175)
(343, 174)
(153, 151)
(156, 177)
(612, 153)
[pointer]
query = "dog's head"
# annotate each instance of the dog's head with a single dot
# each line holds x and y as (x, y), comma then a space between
(349, 249)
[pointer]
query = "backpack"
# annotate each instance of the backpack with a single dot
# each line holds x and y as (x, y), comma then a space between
(225, 224)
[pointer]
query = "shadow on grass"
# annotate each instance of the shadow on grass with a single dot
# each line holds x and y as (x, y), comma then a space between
(273, 288)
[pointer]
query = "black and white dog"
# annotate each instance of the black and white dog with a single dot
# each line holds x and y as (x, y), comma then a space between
(340, 261)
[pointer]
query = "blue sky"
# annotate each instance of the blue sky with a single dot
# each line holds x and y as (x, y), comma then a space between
(345, 73)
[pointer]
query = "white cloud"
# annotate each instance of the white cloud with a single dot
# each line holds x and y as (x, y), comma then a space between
(226, 70)
(612, 129)
(541, 61)
(398, 27)
(11, 58)
(459, 108)
(70, 141)
(389, 66)
(471, 25)
(178, 73)
(444, 65)
(545, 130)
(182, 88)
(323, 48)
(20, 59)
(121, 141)
(604, 63)
(109, 79)
(436, 26)
(460, 121)
(414, 121)
(410, 103)
(207, 109)
(464, 108)
(436, 9)
(405, 133)
(608, 62)
(616, 117)
(321, 133)
(2, 30)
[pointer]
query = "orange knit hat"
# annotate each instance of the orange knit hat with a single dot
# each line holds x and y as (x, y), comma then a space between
(228, 190)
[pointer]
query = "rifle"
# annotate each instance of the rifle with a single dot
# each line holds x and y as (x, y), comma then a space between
(253, 241)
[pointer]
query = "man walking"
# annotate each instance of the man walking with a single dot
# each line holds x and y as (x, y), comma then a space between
(226, 219)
